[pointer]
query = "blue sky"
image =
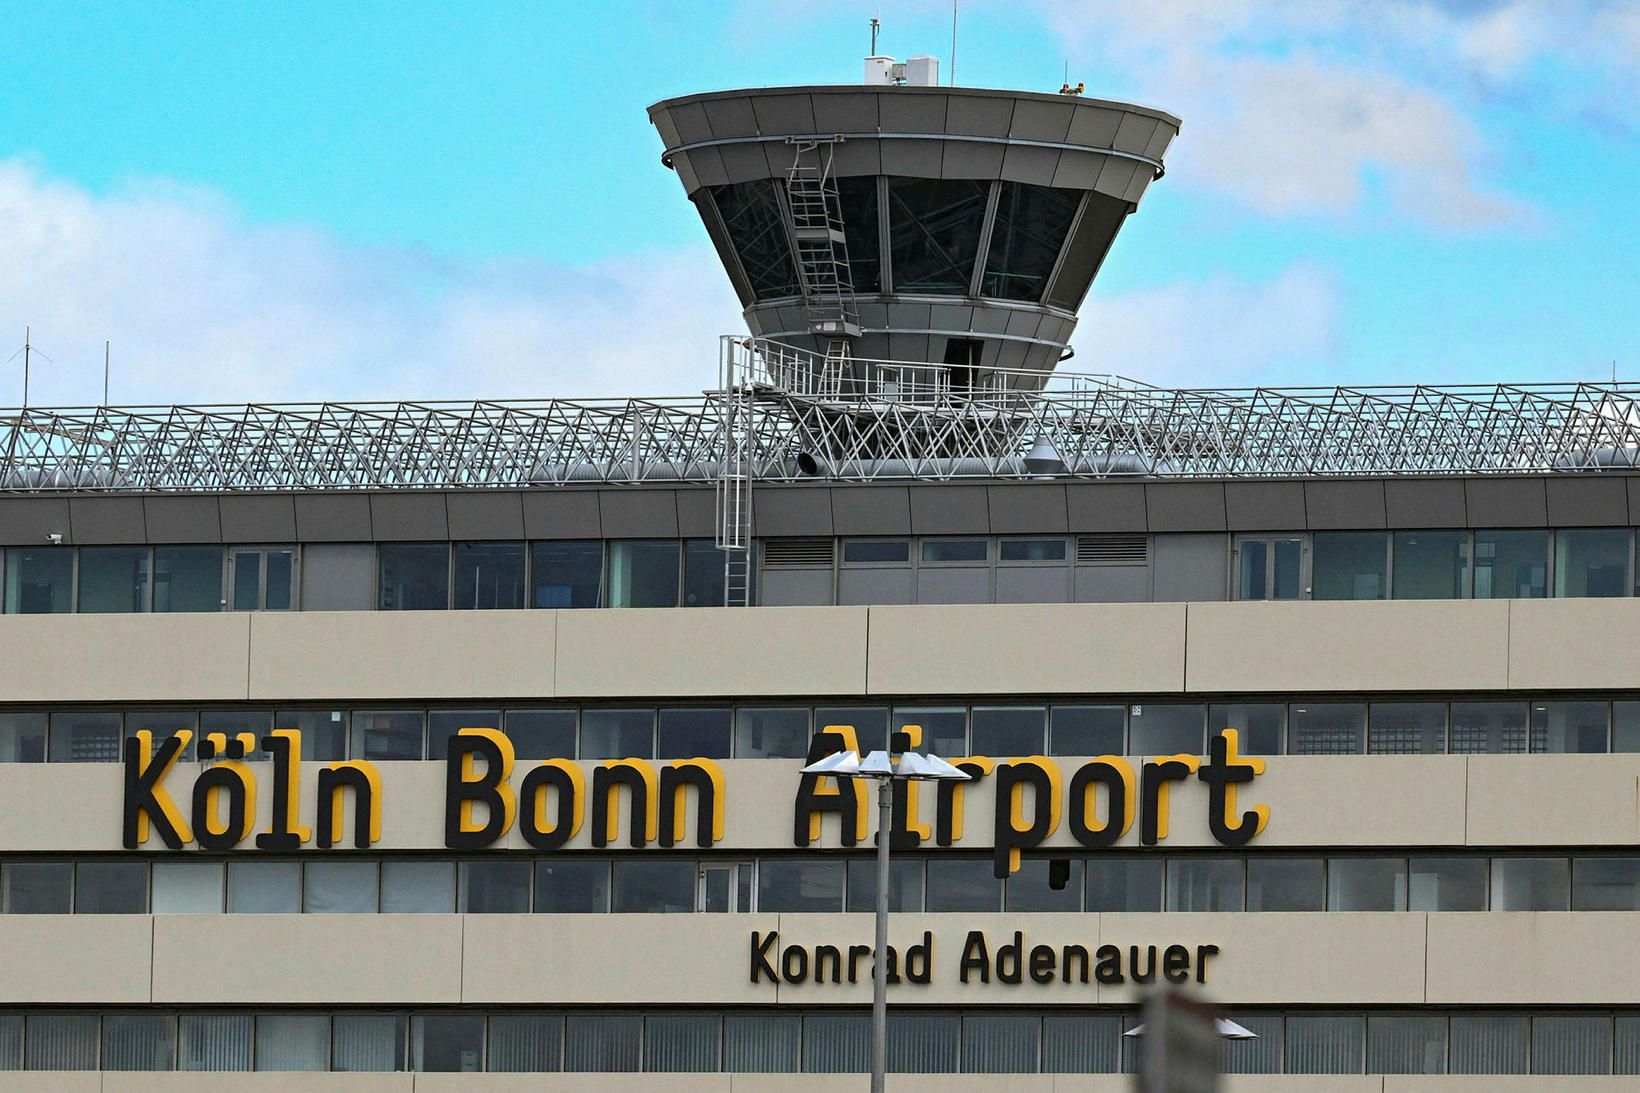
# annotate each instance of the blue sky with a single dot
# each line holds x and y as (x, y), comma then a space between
(372, 200)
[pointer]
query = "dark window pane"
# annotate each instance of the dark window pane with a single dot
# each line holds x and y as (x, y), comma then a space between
(1327, 728)
(643, 573)
(692, 734)
(702, 574)
(1166, 730)
(922, 1043)
(1446, 884)
(1568, 727)
(85, 736)
(1407, 728)
(61, 1041)
(188, 578)
(1482, 728)
(164, 724)
(38, 888)
(418, 887)
(1349, 565)
(1592, 562)
(1260, 1056)
(1008, 731)
(111, 888)
(324, 732)
(566, 886)
(944, 728)
(1571, 1043)
(1487, 1043)
(489, 575)
(566, 574)
(542, 734)
(857, 198)
(525, 1043)
(231, 722)
(23, 737)
(1606, 884)
(367, 1042)
(1030, 228)
(1031, 550)
(963, 884)
(836, 1043)
(681, 1042)
(1531, 884)
(495, 887)
(1260, 727)
(934, 228)
(1045, 884)
(413, 576)
(653, 886)
(113, 579)
(340, 887)
(387, 734)
(1367, 884)
(870, 723)
(757, 229)
(617, 734)
(761, 1043)
(905, 884)
(1324, 1043)
(1626, 1045)
(1086, 730)
(799, 885)
(1252, 565)
(443, 724)
(1286, 884)
(1124, 884)
(290, 1041)
(1625, 726)
(1001, 1043)
(247, 580)
(777, 733)
(144, 1041)
(955, 550)
(264, 887)
(860, 551)
(1511, 565)
(447, 1043)
(1205, 884)
(39, 582)
(1431, 565)
(187, 888)
(281, 583)
(1288, 566)
(1406, 1043)
(1081, 1043)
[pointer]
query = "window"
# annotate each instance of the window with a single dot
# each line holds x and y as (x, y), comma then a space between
(1009, 731)
(489, 576)
(1031, 550)
(339, 887)
(1592, 562)
(674, 1042)
(1269, 569)
(387, 734)
(1431, 565)
(1625, 726)
(1327, 728)
(39, 581)
(164, 724)
(653, 886)
(752, 216)
(703, 574)
(418, 887)
(1407, 728)
(566, 574)
(1406, 1043)
(187, 888)
(1531, 884)
(188, 578)
(836, 1043)
(451, 1043)
(1124, 884)
(61, 1041)
(934, 229)
(689, 734)
(22, 737)
(367, 1042)
(1286, 884)
(1260, 1056)
(85, 736)
(1166, 730)
(1367, 884)
(38, 888)
(292, 1041)
(525, 1043)
(870, 723)
(567, 887)
(1494, 728)
(963, 884)
(877, 552)
(1030, 228)
(262, 578)
(1350, 565)
(444, 724)
(1568, 727)
(1045, 884)
(324, 732)
(146, 1041)
(643, 573)
(214, 1041)
(1086, 730)
(857, 201)
(232, 722)
(1204, 884)
(935, 551)
(1324, 1043)
(542, 734)
(113, 579)
(761, 1042)
(905, 885)
(1511, 565)
(264, 887)
(1571, 1043)
(772, 733)
(1001, 1043)
(1446, 884)
(1080, 1043)
(944, 728)
(617, 734)
(1606, 884)
(495, 887)
(1487, 1043)
(413, 576)
(111, 888)
(1261, 728)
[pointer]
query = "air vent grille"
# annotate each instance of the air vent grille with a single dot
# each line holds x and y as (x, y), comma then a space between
(1113, 549)
(799, 553)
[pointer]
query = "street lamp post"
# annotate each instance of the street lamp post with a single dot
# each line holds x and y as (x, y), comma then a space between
(880, 767)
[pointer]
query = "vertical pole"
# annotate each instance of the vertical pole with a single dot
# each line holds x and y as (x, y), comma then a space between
(105, 373)
(28, 334)
(879, 976)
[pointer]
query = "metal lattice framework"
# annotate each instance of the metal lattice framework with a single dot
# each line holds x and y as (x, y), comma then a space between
(780, 415)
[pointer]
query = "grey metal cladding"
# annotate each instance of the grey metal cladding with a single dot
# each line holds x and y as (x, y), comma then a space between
(743, 162)
(253, 518)
(1189, 568)
(182, 519)
(333, 517)
(562, 514)
(1264, 506)
(857, 157)
(1105, 506)
(689, 119)
(1344, 505)
(1134, 134)
(1029, 164)
(909, 316)
(1414, 503)
(845, 112)
(107, 520)
(1094, 126)
(1592, 501)
(1078, 170)
(949, 510)
(781, 114)
(1506, 503)
(1634, 495)
(661, 118)
(1159, 140)
(791, 511)
(686, 172)
(914, 158)
(485, 514)
(950, 317)
(1037, 120)
(408, 516)
(871, 510)
(1028, 509)
(966, 159)
(730, 118)
(1116, 176)
(990, 319)
(628, 513)
(1024, 324)
(697, 513)
(916, 112)
(1184, 506)
(978, 115)
(908, 347)
(707, 164)
(27, 521)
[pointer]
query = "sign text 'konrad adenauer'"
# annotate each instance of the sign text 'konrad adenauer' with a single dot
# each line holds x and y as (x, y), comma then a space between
(1099, 803)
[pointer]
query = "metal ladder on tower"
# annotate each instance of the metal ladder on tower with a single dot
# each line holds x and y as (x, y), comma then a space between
(822, 255)
(734, 478)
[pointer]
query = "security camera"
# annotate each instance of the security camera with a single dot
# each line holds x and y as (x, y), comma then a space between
(55, 538)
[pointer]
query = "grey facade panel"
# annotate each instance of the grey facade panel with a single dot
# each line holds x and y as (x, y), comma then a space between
(333, 517)
(182, 519)
(874, 586)
(1028, 509)
(1078, 170)
(1189, 568)
(845, 112)
(107, 519)
(1592, 501)
(1030, 164)
(743, 162)
(911, 113)
(1037, 120)
(339, 577)
(1264, 506)
(954, 584)
(1184, 506)
(485, 514)
(638, 513)
(783, 114)
(408, 516)
(1116, 176)
(1634, 495)
(1344, 505)
(562, 514)
(1105, 506)
(27, 521)
(788, 511)
(1112, 583)
(964, 159)
(796, 587)
(1506, 503)
(1033, 584)
(1134, 134)
(917, 158)
(252, 518)
(1094, 126)
(978, 116)
(1424, 503)
(857, 157)
(697, 513)
(949, 510)
(689, 121)
(871, 510)
(730, 118)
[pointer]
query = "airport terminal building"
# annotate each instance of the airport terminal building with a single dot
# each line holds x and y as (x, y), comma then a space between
(436, 747)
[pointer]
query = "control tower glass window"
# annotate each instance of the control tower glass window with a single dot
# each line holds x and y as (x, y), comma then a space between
(934, 228)
(1030, 228)
(757, 228)
(858, 199)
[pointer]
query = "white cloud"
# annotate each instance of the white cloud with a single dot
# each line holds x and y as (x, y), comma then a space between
(1220, 332)
(201, 306)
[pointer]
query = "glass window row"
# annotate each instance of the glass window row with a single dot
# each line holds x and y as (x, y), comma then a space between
(821, 884)
(1327, 726)
(929, 1041)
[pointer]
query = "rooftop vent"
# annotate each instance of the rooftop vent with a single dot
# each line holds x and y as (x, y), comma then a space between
(919, 71)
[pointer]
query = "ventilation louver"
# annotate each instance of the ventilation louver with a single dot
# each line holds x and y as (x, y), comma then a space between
(1112, 549)
(798, 553)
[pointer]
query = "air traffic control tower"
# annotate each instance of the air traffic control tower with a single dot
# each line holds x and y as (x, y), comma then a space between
(901, 220)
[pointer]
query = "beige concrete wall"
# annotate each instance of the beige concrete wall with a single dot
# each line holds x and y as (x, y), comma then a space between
(76, 959)
(124, 658)
(1543, 958)
(776, 1083)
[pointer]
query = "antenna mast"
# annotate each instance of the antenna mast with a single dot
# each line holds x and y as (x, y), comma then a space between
(876, 25)
(953, 43)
